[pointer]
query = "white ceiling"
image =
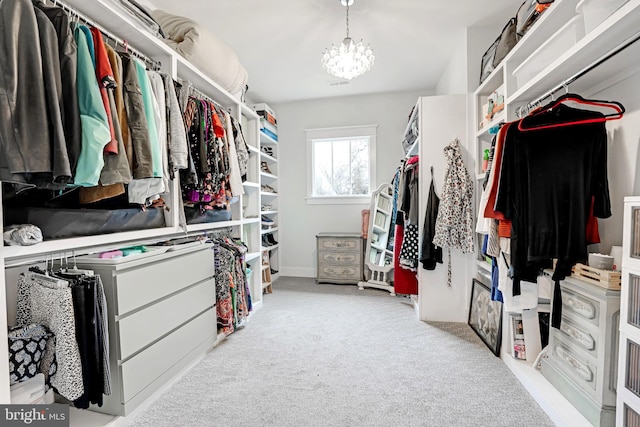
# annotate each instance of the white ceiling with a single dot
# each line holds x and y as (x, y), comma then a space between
(280, 42)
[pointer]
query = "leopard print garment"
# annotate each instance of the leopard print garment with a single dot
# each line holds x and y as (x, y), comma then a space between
(53, 308)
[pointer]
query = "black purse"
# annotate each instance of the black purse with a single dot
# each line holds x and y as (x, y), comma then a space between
(528, 14)
(498, 49)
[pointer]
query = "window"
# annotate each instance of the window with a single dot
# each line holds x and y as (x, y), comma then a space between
(341, 164)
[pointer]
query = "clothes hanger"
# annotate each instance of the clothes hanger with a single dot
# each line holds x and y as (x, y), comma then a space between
(610, 110)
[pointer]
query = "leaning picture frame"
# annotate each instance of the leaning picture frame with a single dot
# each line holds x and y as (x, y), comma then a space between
(485, 316)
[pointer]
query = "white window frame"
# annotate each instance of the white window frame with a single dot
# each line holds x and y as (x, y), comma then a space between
(341, 132)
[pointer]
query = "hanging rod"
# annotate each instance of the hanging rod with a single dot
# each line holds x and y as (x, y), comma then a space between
(196, 92)
(74, 13)
(565, 85)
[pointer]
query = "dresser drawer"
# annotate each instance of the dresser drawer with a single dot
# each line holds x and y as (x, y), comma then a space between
(583, 307)
(574, 362)
(142, 285)
(340, 244)
(142, 369)
(339, 258)
(577, 334)
(339, 272)
(145, 326)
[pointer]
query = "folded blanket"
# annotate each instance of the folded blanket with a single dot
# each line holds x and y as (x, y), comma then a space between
(204, 50)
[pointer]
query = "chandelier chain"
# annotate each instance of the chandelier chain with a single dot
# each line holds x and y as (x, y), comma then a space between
(347, 19)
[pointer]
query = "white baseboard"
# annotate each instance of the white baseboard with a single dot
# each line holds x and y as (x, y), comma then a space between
(297, 272)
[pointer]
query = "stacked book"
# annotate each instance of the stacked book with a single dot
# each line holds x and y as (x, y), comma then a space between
(268, 122)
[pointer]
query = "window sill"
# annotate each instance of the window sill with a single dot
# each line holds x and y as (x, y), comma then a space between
(337, 200)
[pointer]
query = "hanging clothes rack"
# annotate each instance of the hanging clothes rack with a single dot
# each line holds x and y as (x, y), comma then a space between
(74, 14)
(526, 109)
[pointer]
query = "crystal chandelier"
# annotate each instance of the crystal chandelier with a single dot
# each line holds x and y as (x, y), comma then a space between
(350, 59)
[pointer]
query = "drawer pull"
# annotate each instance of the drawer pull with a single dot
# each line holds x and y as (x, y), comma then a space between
(581, 369)
(583, 338)
(579, 305)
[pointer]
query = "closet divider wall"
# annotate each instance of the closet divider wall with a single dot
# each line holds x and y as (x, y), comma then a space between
(441, 119)
(244, 223)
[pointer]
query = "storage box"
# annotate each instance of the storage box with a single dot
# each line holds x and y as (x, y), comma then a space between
(594, 12)
(264, 107)
(560, 42)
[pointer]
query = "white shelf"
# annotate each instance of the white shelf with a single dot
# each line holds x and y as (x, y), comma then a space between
(620, 26)
(214, 225)
(248, 112)
(480, 176)
(266, 139)
(492, 82)
(121, 24)
(250, 256)
(270, 230)
(268, 175)
(268, 194)
(268, 157)
(253, 149)
(497, 119)
(268, 212)
(203, 83)
(270, 248)
(250, 184)
(484, 265)
(558, 14)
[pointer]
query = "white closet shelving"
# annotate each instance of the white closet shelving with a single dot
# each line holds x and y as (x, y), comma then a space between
(245, 222)
(550, 72)
(269, 207)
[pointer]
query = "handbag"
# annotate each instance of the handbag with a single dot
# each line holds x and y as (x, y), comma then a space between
(26, 348)
(528, 13)
(498, 49)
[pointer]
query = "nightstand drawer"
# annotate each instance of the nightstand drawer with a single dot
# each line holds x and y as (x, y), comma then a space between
(579, 335)
(582, 369)
(339, 244)
(580, 305)
(339, 258)
(339, 272)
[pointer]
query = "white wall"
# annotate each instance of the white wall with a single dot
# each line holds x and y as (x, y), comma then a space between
(299, 222)
(623, 156)
(454, 76)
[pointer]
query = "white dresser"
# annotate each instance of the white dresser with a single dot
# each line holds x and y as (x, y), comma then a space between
(162, 316)
(340, 258)
(582, 354)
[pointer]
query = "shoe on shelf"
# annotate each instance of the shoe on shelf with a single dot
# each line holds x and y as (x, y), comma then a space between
(274, 271)
(267, 189)
(271, 239)
(265, 242)
(267, 150)
(264, 167)
(266, 208)
(267, 221)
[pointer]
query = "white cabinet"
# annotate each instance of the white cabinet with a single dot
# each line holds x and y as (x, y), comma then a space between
(628, 404)
(161, 317)
(582, 353)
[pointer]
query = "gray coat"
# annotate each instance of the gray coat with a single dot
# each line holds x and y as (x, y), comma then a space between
(27, 153)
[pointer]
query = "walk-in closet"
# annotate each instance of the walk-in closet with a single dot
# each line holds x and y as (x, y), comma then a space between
(341, 212)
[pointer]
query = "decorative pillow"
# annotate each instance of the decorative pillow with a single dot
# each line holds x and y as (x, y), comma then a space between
(204, 50)
(26, 348)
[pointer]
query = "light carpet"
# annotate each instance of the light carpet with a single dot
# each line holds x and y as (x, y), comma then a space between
(332, 355)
